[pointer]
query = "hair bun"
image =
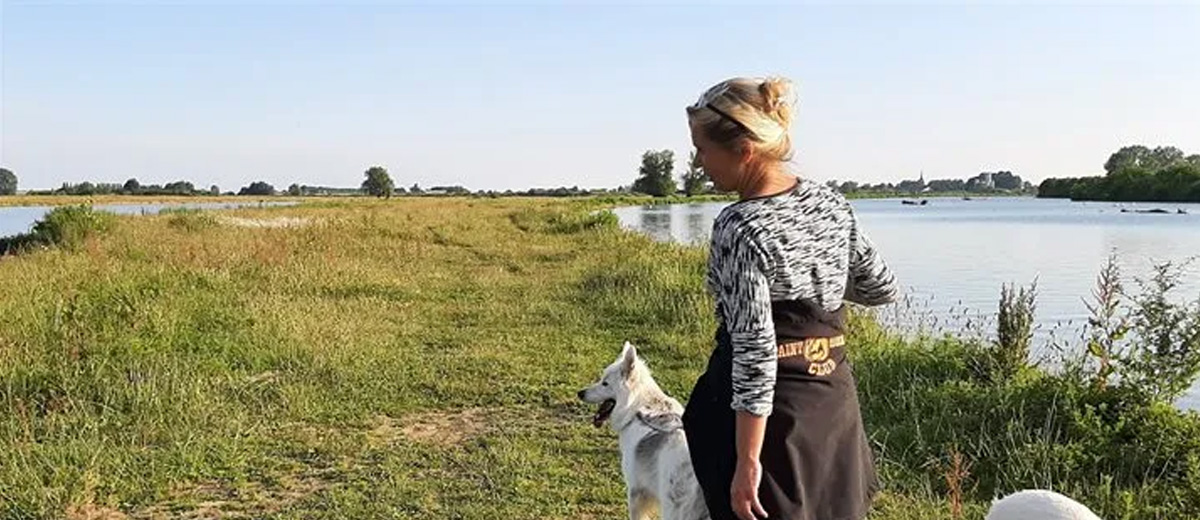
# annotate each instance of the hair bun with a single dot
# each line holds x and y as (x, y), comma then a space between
(778, 98)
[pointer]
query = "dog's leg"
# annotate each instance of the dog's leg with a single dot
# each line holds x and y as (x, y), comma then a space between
(668, 511)
(639, 505)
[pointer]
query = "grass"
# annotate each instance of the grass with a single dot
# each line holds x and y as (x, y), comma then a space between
(419, 358)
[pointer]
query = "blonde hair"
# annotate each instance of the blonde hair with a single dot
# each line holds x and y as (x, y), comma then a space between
(748, 112)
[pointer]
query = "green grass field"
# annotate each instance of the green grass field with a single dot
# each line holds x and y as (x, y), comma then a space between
(419, 358)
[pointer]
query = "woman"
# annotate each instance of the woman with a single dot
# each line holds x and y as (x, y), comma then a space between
(773, 424)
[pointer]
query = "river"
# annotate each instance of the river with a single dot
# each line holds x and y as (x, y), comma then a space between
(18, 219)
(951, 256)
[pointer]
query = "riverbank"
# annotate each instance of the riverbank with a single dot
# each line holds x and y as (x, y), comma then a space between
(65, 200)
(419, 358)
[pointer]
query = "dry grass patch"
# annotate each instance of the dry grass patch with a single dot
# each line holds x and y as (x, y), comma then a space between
(442, 429)
(256, 499)
(93, 512)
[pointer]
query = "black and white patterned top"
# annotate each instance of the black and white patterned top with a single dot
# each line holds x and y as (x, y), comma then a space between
(803, 244)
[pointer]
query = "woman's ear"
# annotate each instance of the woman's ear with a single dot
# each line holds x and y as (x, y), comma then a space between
(745, 154)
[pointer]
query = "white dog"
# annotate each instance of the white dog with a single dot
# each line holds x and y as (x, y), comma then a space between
(654, 453)
(1039, 504)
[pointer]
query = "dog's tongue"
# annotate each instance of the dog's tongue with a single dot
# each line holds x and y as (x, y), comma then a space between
(603, 412)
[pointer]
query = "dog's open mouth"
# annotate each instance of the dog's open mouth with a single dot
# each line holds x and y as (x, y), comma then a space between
(602, 413)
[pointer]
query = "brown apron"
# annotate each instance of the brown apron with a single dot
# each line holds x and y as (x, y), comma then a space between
(817, 463)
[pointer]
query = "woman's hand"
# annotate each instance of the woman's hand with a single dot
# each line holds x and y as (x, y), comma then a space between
(748, 475)
(744, 492)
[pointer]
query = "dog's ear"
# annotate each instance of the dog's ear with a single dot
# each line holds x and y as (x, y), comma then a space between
(628, 358)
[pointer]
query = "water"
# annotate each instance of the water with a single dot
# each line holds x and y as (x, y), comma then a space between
(952, 256)
(19, 219)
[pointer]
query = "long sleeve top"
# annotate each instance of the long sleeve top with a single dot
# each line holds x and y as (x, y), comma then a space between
(805, 243)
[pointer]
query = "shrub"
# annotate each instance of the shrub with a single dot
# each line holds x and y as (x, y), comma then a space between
(70, 226)
(1009, 354)
(67, 227)
(1163, 358)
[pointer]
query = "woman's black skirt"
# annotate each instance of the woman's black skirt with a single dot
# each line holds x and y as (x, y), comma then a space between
(816, 461)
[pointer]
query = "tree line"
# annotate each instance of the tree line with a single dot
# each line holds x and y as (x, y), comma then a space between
(1134, 174)
(985, 182)
(656, 178)
(377, 183)
(133, 187)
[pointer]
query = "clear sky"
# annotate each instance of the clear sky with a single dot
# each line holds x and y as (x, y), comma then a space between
(494, 96)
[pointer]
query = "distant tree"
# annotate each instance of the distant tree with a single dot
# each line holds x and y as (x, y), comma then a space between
(1127, 157)
(1135, 173)
(8, 182)
(131, 186)
(944, 185)
(1138, 156)
(214, 190)
(415, 189)
(257, 188)
(1174, 183)
(848, 187)
(1054, 188)
(695, 180)
(655, 174)
(1005, 180)
(378, 182)
(910, 186)
(1165, 157)
(294, 190)
(180, 188)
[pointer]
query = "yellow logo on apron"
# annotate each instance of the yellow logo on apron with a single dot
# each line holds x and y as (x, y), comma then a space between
(816, 352)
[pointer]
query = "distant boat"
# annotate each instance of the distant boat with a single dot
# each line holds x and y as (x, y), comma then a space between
(907, 202)
(1156, 211)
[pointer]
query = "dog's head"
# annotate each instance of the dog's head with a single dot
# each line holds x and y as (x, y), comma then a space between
(613, 386)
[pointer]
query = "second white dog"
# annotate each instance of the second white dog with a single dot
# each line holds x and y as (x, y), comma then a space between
(654, 455)
(1039, 504)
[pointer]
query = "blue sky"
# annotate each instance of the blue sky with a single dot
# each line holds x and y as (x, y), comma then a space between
(495, 96)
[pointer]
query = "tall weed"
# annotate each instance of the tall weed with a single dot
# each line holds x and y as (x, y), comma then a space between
(1163, 358)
